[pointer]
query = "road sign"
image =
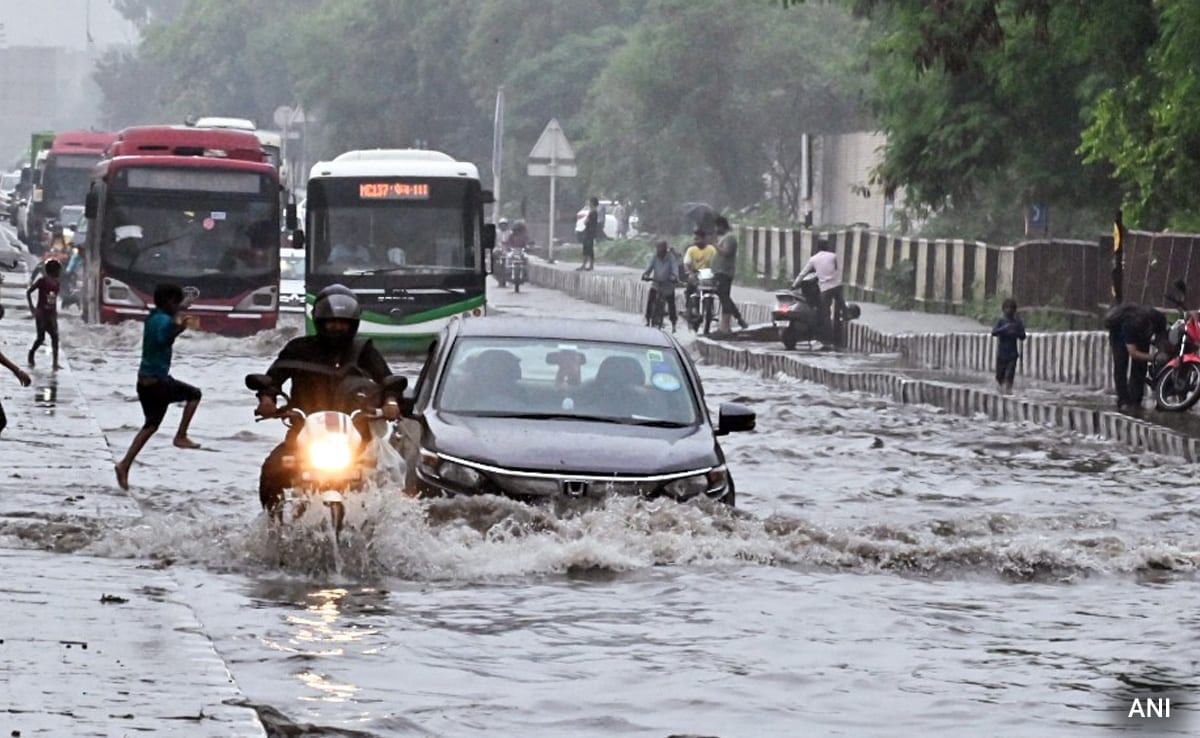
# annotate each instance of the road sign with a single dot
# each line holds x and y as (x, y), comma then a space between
(283, 116)
(552, 157)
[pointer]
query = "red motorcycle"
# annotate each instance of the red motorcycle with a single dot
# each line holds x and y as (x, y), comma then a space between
(1177, 381)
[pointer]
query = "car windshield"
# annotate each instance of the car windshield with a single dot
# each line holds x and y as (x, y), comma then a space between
(291, 267)
(567, 380)
(70, 214)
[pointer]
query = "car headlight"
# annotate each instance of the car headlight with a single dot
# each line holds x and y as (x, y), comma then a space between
(331, 453)
(451, 472)
(712, 483)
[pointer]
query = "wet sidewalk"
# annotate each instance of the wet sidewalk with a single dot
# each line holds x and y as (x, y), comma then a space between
(88, 646)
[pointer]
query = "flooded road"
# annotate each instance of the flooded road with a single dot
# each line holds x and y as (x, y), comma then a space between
(890, 570)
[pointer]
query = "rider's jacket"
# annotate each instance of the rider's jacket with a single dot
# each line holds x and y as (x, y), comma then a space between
(319, 371)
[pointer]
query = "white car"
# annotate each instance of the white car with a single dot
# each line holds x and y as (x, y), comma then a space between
(291, 280)
(610, 220)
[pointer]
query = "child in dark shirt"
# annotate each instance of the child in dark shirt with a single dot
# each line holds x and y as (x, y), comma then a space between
(45, 313)
(1009, 329)
(21, 376)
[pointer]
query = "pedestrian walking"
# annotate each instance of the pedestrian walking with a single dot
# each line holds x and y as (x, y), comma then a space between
(828, 269)
(45, 313)
(19, 373)
(156, 388)
(621, 213)
(588, 238)
(1132, 331)
(724, 268)
(1008, 331)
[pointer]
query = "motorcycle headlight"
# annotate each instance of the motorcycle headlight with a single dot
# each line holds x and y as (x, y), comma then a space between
(712, 483)
(331, 453)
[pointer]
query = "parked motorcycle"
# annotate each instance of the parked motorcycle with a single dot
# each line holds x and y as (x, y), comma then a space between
(1176, 382)
(703, 307)
(515, 262)
(333, 460)
(799, 310)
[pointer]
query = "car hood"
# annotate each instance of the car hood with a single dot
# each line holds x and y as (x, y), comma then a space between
(571, 446)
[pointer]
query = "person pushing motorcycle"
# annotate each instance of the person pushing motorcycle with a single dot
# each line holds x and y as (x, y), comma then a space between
(319, 367)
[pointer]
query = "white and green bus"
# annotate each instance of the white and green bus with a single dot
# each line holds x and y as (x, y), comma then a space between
(404, 229)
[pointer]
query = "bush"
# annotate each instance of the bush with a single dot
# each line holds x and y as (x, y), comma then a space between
(898, 285)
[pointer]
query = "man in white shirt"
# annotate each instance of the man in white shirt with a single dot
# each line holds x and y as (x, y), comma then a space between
(825, 265)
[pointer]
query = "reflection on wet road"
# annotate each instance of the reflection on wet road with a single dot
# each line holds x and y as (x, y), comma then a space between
(891, 570)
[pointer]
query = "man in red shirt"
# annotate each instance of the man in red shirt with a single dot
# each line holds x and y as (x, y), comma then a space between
(45, 313)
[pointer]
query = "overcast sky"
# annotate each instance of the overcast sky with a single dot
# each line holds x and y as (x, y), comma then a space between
(62, 23)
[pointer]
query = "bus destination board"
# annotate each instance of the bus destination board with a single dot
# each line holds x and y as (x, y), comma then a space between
(393, 191)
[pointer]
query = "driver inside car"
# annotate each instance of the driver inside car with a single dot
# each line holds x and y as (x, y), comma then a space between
(319, 368)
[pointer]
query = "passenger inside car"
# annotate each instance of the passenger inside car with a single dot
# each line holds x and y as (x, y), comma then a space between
(490, 382)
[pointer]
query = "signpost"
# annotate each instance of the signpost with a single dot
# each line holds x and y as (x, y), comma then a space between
(553, 157)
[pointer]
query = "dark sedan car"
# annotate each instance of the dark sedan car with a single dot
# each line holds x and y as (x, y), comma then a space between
(543, 409)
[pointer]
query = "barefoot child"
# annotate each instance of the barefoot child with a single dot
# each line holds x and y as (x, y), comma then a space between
(21, 376)
(156, 388)
(45, 313)
(1009, 329)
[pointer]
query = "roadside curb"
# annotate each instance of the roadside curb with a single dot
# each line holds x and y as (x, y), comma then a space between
(959, 399)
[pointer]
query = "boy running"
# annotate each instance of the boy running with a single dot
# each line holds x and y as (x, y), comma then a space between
(156, 388)
(45, 313)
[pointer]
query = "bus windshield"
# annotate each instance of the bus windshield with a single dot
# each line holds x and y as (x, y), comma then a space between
(392, 225)
(66, 179)
(191, 235)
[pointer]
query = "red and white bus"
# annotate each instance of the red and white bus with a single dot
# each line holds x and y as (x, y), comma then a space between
(196, 207)
(61, 178)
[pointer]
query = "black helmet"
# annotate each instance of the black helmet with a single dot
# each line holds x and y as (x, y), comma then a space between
(336, 302)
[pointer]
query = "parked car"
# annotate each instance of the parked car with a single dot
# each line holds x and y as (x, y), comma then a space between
(544, 409)
(291, 280)
(610, 220)
(8, 193)
(11, 254)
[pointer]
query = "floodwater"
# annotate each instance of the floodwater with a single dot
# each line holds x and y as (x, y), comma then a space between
(890, 570)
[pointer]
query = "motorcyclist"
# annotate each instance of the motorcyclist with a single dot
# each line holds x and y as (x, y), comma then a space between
(319, 368)
(698, 256)
(663, 273)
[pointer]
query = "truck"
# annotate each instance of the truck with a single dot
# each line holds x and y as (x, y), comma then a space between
(61, 174)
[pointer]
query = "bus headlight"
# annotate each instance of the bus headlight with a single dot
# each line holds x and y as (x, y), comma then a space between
(262, 300)
(117, 292)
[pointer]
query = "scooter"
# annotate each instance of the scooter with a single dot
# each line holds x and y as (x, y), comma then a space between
(332, 461)
(514, 263)
(799, 310)
(1176, 382)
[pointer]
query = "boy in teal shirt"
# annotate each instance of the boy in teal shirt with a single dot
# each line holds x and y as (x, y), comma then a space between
(156, 388)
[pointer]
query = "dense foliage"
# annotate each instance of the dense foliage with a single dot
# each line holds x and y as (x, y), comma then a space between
(666, 101)
(990, 106)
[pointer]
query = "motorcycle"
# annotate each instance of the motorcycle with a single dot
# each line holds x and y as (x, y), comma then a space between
(800, 312)
(703, 307)
(333, 462)
(515, 261)
(1176, 382)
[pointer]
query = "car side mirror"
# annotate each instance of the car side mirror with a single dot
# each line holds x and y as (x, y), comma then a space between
(489, 236)
(734, 418)
(408, 400)
(298, 240)
(90, 206)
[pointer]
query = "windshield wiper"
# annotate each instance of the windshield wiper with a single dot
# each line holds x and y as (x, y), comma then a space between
(651, 423)
(562, 416)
